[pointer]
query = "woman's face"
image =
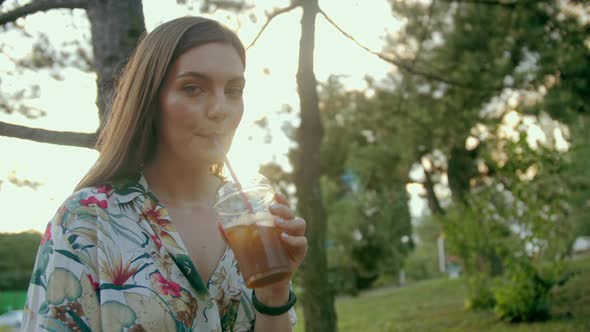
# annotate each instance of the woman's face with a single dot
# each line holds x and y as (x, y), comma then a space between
(201, 104)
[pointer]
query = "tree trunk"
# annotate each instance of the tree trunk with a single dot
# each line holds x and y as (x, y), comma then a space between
(461, 169)
(116, 27)
(318, 298)
(433, 201)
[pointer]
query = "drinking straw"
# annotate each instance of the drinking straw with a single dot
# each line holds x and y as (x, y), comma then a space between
(236, 181)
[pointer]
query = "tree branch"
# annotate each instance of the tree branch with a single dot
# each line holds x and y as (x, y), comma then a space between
(38, 6)
(48, 136)
(503, 3)
(404, 66)
(271, 16)
(236, 6)
(399, 63)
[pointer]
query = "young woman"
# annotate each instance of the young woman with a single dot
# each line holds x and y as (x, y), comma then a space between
(122, 255)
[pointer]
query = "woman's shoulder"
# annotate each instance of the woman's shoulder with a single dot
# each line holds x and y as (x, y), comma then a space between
(88, 211)
(88, 204)
(90, 197)
(75, 221)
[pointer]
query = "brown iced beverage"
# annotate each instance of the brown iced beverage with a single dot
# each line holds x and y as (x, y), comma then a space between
(252, 235)
(259, 253)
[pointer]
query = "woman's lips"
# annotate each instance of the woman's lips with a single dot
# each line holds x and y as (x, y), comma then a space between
(212, 137)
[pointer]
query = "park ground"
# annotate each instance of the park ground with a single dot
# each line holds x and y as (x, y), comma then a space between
(438, 305)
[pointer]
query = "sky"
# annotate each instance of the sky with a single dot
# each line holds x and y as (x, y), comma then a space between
(68, 103)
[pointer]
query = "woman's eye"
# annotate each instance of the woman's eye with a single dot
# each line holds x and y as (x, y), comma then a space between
(235, 92)
(193, 89)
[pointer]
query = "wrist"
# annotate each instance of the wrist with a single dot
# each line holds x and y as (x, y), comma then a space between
(274, 295)
(278, 310)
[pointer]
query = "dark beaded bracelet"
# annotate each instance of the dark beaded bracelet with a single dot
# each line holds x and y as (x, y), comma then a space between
(273, 311)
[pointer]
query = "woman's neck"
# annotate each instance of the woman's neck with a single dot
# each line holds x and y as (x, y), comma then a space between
(181, 184)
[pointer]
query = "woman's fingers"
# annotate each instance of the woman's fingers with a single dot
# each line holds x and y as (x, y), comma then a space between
(293, 227)
(281, 199)
(296, 245)
(283, 211)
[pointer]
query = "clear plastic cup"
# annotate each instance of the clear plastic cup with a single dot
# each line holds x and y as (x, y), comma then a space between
(254, 239)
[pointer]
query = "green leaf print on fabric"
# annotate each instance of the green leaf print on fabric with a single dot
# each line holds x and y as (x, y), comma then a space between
(37, 277)
(228, 320)
(120, 229)
(83, 327)
(128, 208)
(54, 325)
(187, 268)
(43, 308)
(147, 240)
(152, 315)
(91, 211)
(62, 285)
(72, 238)
(69, 255)
(120, 316)
(86, 233)
(127, 188)
(250, 315)
(64, 216)
(41, 265)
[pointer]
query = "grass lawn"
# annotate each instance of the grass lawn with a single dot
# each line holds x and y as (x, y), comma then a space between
(12, 300)
(438, 305)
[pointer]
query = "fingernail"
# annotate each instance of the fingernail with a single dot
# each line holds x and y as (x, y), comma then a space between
(284, 236)
(274, 206)
(280, 221)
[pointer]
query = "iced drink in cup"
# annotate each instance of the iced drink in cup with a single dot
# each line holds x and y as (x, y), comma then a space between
(251, 232)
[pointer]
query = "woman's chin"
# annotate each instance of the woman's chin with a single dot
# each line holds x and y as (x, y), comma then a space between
(210, 157)
(207, 154)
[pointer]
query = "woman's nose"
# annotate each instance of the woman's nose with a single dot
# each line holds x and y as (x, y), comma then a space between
(218, 109)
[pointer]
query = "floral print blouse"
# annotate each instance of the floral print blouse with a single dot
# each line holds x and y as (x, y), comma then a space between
(111, 260)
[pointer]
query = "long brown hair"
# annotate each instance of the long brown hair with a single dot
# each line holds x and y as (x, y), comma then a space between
(129, 137)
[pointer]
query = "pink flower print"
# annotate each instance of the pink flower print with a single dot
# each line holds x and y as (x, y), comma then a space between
(166, 287)
(94, 283)
(157, 241)
(46, 236)
(105, 189)
(156, 216)
(93, 200)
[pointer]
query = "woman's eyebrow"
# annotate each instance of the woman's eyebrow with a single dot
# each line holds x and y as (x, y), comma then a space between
(205, 77)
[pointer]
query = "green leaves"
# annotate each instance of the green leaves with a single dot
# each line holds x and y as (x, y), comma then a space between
(18, 252)
(523, 295)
